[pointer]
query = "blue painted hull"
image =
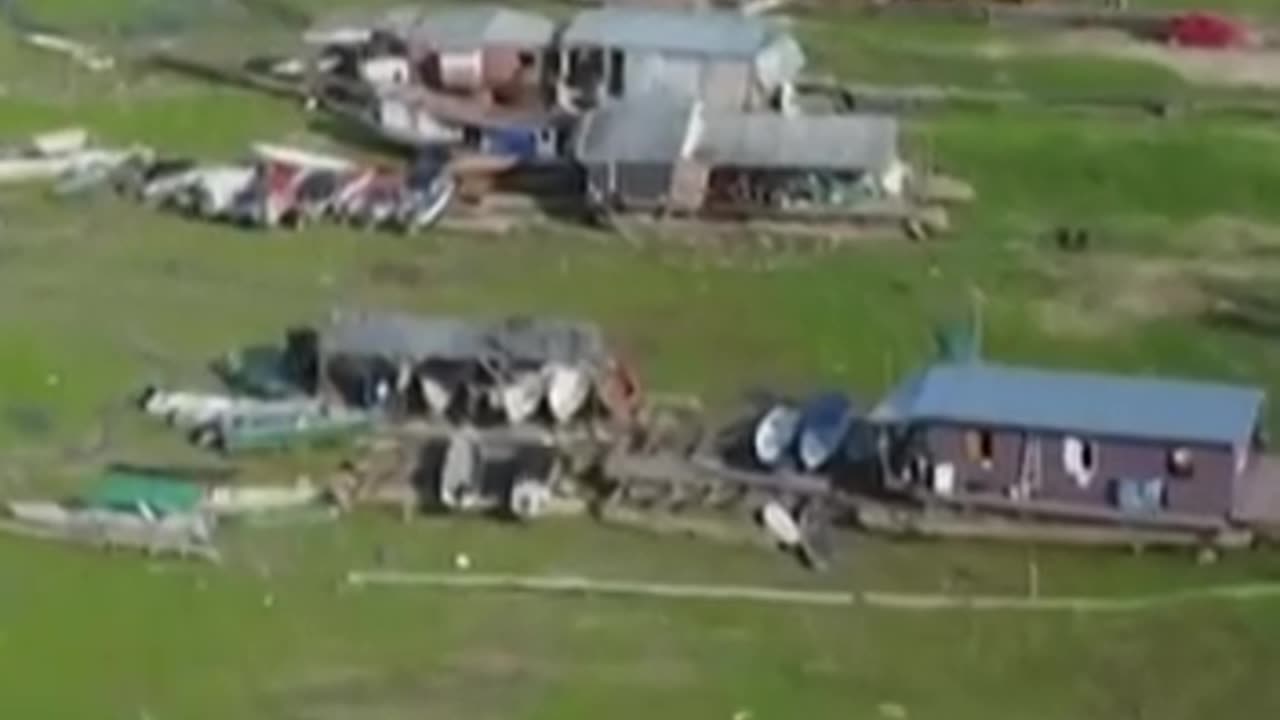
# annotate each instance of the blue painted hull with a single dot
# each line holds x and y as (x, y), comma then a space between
(824, 425)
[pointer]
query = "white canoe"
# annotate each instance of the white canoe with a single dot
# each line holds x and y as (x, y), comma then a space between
(84, 55)
(186, 409)
(235, 500)
(40, 512)
(301, 158)
(521, 397)
(775, 434)
(780, 525)
(568, 389)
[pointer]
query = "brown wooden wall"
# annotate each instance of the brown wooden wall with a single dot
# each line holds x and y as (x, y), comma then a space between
(1208, 491)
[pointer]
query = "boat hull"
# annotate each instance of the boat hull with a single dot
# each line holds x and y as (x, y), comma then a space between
(826, 421)
(775, 435)
(568, 389)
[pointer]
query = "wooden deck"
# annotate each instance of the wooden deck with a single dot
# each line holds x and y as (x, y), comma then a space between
(1258, 498)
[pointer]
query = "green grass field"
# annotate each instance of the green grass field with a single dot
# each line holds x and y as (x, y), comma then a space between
(98, 296)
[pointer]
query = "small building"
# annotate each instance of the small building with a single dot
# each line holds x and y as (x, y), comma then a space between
(630, 151)
(1102, 446)
(479, 49)
(725, 59)
(658, 153)
(487, 51)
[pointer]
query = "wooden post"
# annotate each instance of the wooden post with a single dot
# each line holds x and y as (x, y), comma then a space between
(1033, 574)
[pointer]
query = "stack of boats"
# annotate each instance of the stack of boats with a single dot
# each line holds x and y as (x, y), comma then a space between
(513, 370)
(808, 435)
(363, 367)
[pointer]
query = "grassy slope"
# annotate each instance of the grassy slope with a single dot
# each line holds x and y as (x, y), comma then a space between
(201, 643)
(103, 295)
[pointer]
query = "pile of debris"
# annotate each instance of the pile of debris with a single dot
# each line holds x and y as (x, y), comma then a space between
(287, 187)
(66, 156)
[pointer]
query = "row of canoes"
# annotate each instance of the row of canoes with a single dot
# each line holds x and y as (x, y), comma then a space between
(563, 392)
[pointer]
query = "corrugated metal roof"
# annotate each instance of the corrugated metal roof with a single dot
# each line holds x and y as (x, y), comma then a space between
(769, 140)
(653, 128)
(403, 337)
(643, 129)
(466, 28)
(399, 336)
(718, 33)
(1105, 405)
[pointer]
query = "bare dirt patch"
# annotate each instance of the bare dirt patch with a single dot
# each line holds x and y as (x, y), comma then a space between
(1233, 245)
(1102, 293)
(1233, 68)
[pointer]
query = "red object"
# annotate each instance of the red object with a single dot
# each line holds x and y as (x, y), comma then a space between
(620, 391)
(1206, 30)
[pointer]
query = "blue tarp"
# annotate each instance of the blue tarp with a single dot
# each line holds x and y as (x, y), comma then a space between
(521, 143)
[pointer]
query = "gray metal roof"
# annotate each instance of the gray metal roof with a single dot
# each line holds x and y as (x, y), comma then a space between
(398, 336)
(717, 33)
(644, 129)
(470, 27)
(402, 337)
(653, 128)
(772, 140)
(1104, 405)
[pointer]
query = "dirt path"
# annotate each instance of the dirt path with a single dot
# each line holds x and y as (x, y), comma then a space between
(1231, 68)
(870, 598)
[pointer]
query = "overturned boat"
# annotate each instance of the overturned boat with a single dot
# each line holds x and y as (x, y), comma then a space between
(522, 396)
(825, 422)
(775, 434)
(568, 390)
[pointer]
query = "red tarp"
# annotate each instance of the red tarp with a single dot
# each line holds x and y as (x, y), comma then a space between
(1206, 30)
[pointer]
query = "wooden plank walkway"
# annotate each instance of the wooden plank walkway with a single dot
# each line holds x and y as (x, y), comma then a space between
(1258, 497)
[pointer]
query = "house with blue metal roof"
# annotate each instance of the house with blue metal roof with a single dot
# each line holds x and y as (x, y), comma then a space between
(1127, 445)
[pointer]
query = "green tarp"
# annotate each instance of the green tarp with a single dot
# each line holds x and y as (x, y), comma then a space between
(128, 490)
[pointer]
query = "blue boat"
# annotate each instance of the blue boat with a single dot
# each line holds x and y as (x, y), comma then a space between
(824, 422)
